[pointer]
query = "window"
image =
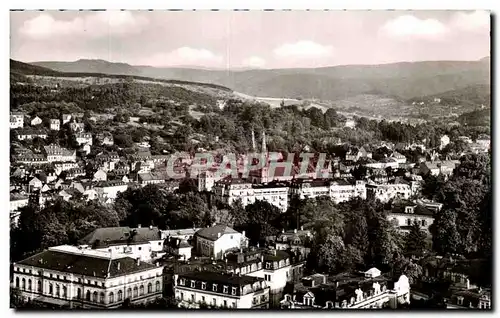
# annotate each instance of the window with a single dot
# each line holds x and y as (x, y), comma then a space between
(408, 221)
(129, 293)
(192, 298)
(214, 287)
(65, 292)
(88, 295)
(233, 291)
(17, 282)
(150, 288)
(29, 284)
(140, 248)
(64, 277)
(78, 293)
(158, 287)
(39, 286)
(79, 280)
(214, 301)
(58, 290)
(263, 298)
(234, 304)
(101, 297)
(181, 282)
(94, 297)
(58, 277)
(460, 300)
(268, 265)
(225, 289)
(192, 284)
(136, 291)
(141, 290)
(267, 277)
(23, 286)
(225, 303)
(182, 296)
(111, 298)
(424, 223)
(203, 286)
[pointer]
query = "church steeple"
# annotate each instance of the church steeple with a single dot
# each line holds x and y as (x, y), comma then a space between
(264, 146)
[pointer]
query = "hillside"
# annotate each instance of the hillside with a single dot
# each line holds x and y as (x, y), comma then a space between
(474, 95)
(400, 80)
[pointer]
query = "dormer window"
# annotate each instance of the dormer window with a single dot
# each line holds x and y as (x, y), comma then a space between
(203, 286)
(460, 300)
(410, 209)
(268, 265)
(225, 289)
(214, 287)
(233, 291)
(182, 282)
(192, 283)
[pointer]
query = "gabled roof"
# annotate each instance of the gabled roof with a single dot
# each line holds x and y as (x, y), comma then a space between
(212, 233)
(103, 237)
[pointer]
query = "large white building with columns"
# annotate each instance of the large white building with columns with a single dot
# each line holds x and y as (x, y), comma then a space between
(68, 276)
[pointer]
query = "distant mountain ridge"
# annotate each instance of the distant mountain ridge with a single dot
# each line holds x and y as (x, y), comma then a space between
(404, 80)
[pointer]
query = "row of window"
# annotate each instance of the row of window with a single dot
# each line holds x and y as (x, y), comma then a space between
(203, 301)
(225, 289)
(64, 294)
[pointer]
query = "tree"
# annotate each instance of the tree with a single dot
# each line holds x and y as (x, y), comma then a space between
(330, 253)
(415, 240)
(405, 266)
(445, 237)
(262, 221)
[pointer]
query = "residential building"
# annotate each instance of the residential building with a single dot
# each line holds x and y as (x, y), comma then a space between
(55, 124)
(339, 190)
(216, 240)
(386, 192)
(369, 290)
(143, 243)
(400, 158)
(437, 168)
(231, 190)
(356, 154)
(54, 153)
(30, 133)
(83, 138)
(178, 247)
(484, 141)
(406, 213)
(149, 178)
(73, 277)
(221, 290)
(183, 234)
(66, 118)
(100, 175)
(16, 120)
(36, 121)
(444, 141)
(350, 123)
(105, 138)
(77, 127)
(35, 183)
(470, 299)
(64, 166)
(109, 190)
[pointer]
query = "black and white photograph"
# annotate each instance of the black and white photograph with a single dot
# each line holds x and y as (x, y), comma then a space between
(269, 160)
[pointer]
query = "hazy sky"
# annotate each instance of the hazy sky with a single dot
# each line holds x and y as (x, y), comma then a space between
(278, 39)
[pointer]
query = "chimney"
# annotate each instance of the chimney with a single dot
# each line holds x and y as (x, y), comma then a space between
(243, 233)
(138, 226)
(302, 228)
(157, 264)
(138, 261)
(295, 231)
(118, 266)
(150, 227)
(218, 235)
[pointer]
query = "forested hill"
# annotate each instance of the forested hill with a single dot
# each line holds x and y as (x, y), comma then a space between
(20, 68)
(403, 80)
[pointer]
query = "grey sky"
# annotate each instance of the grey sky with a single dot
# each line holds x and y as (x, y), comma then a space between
(276, 39)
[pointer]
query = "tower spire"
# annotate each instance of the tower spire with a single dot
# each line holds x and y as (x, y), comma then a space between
(264, 146)
(253, 141)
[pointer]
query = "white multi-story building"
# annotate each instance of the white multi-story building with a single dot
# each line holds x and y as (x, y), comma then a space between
(216, 240)
(386, 192)
(274, 193)
(368, 291)
(337, 190)
(64, 166)
(109, 190)
(77, 127)
(72, 277)
(221, 290)
(83, 138)
(16, 120)
(139, 243)
(55, 124)
(54, 153)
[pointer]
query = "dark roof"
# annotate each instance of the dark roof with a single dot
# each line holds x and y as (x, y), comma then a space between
(107, 236)
(214, 277)
(85, 264)
(419, 209)
(211, 233)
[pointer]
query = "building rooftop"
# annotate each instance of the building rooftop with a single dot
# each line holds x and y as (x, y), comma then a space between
(77, 261)
(108, 236)
(212, 233)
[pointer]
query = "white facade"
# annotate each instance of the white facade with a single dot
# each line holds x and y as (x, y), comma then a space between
(445, 140)
(16, 121)
(110, 192)
(87, 291)
(387, 192)
(217, 248)
(408, 219)
(84, 139)
(55, 124)
(338, 191)
(249, 193)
